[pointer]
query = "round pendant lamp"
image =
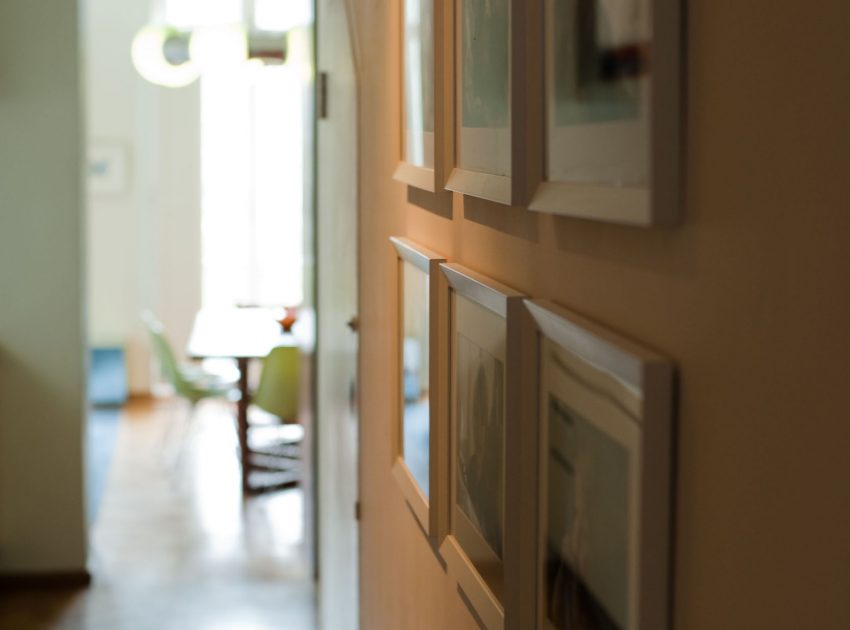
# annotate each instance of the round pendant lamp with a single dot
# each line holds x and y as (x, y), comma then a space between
(161, 55)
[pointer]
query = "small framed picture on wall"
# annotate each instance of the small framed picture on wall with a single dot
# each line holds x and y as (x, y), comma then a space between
(108, 169)
(418, 460)
(426, 138)
(483, 157)
(599, 539)
(483, 359)
(611, 85)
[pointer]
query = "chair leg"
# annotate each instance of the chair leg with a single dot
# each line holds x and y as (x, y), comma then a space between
(276, 464)
(185, 435)
(167, 434)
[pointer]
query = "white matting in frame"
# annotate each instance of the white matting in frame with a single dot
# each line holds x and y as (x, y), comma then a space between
(603, 408)
(418, 436)
(482, 316)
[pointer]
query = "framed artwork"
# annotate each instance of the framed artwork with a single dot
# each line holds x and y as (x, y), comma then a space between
(611, 134)
(108, 169)
(598, 539)
(418, 460)
(482, 100)
(482, 319)
(426, 147)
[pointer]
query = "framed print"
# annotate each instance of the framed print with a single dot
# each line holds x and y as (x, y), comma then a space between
(482, 319)
(483, 158)
(417, 460)
(599, 538)
(611, 85)
(425, 111)
(108, 170)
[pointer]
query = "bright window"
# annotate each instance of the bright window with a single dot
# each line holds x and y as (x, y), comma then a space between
(253, 124)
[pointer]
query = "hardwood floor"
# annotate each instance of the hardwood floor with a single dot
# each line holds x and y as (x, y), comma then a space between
(174, 546)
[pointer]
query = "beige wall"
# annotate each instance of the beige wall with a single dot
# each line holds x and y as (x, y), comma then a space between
(750, 296)
(41, 307)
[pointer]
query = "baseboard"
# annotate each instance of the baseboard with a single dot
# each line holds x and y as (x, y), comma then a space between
(141, 396)
(47, 579)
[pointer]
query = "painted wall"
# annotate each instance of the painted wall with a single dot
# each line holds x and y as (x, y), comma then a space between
(144, 242)
(749, 296)
(42, 524)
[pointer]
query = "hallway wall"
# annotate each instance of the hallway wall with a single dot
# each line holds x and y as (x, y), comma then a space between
(749, 296)
(42, 524)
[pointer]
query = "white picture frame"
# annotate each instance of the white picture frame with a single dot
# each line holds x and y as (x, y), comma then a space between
(426, 146)
(418, 440)
(482, 339)
(483, 128)
(598, 450)
(610, 143)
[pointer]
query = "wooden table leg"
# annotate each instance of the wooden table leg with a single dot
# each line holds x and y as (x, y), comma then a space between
(242, 423)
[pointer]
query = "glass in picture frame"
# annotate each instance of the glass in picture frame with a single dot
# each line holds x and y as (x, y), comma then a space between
(482, 84)
(418, 78)
(416, 445)
(590, 474)
(611, 141)
(598, 536)
(477, 516)
(482, 329)
(426, 147)
(418, 429)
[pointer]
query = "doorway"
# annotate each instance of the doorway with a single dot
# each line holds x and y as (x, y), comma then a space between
(337, 209)
(211, 207)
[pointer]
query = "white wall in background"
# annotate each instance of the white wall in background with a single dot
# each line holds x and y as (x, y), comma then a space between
(143, 242)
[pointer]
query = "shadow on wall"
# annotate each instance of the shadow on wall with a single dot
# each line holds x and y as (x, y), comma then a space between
(512, 220)
(439, 203)
(665, 250)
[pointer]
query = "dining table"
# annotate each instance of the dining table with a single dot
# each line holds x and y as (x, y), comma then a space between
(244, 335)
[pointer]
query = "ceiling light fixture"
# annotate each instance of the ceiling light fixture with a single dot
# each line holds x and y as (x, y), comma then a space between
(161, 55)
(175, 58)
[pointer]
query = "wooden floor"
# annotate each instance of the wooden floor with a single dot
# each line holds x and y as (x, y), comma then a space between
(174, 546)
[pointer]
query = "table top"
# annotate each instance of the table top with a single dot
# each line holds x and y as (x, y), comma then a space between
(242, 333)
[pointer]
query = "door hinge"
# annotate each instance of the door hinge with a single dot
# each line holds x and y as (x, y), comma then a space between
(322, 96)
(357, 510)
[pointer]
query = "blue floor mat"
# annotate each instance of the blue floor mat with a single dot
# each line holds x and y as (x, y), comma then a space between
(102, 436)
(107, 391)
(107, 376)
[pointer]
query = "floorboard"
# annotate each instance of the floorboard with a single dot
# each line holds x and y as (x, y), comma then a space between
(174, 545)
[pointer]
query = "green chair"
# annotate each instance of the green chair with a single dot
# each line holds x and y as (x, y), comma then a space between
(277, 392)
(275, 453)
(190, 382)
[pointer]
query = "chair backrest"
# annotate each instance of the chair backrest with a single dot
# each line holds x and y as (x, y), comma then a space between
(165, 354)
(277, 392)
